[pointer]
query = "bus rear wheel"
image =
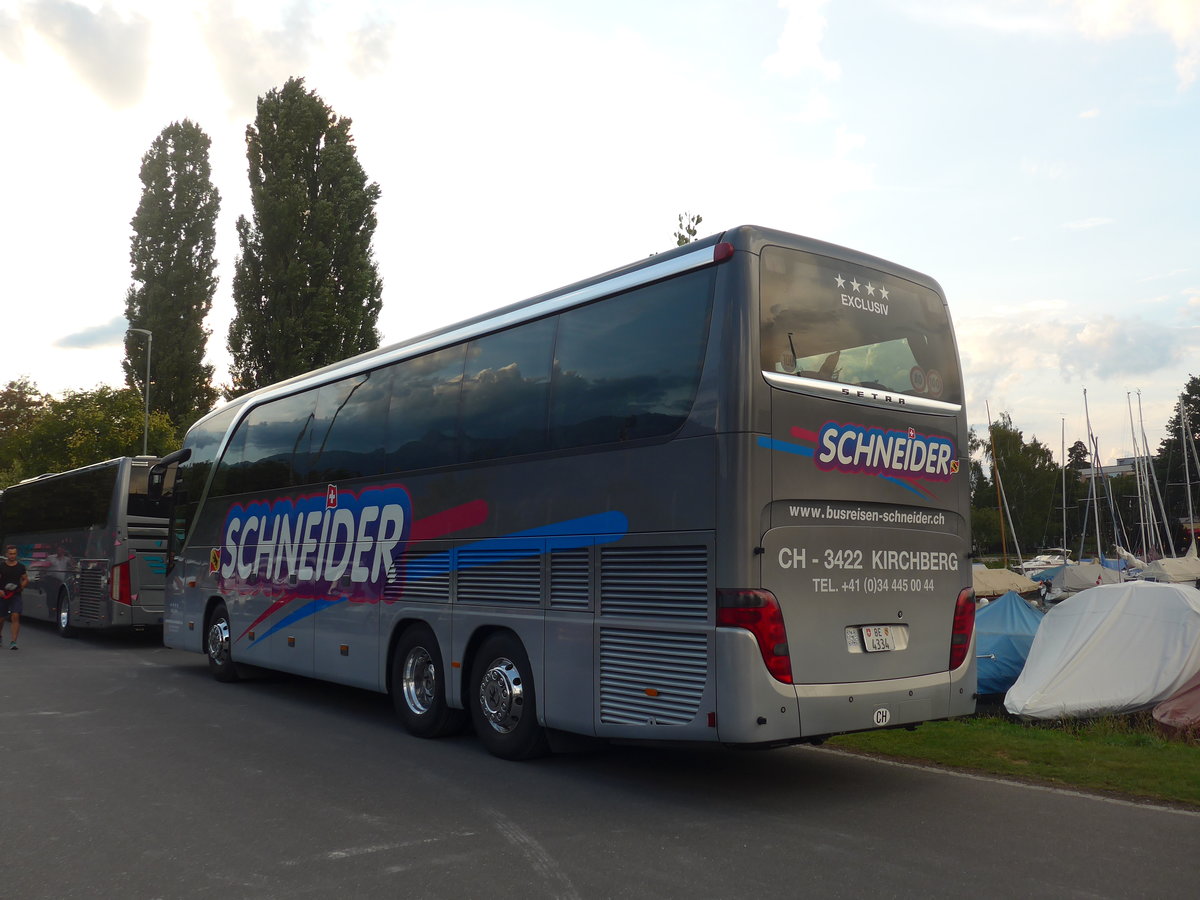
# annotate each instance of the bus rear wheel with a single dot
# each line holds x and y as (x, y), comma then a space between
(219, 645)
(419, 686)
(503, 700)
(63, 616)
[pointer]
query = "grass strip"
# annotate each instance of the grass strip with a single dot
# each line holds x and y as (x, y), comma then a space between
(1128, 755)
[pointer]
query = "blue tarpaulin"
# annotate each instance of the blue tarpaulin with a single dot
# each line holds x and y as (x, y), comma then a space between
(1004, 631)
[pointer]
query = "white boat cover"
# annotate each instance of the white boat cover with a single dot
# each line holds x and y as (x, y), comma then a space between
(1175, 570)
(996, 582)
(1086, 575)
(1111, 649)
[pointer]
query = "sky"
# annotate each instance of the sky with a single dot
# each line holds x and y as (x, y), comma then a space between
(1039, 158)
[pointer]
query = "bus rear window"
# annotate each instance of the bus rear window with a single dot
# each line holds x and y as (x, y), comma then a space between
(833, 321)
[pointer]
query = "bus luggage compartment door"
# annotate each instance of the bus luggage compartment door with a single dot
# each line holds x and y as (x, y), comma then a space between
(864, 603)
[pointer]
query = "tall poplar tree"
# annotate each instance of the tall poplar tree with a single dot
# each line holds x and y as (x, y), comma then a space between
(171, 253)
(306, 288)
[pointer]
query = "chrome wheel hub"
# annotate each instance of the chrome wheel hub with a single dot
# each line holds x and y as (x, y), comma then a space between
(218, 642)
(502, 695)
(420, 680)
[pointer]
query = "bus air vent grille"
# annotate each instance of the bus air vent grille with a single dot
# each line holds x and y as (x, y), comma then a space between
(569, 579)
(665, 582)
(91, 595)
(651, 677)
(424, 577)
(508, 576)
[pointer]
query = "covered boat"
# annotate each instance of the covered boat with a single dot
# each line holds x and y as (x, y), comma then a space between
(1047, 559)
(990, 583)
(1182, 709)
(1111, 649)
(1175, 570)
(1004, 631)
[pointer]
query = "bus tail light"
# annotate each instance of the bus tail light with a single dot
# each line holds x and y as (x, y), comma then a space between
(758, 612)
(964, 626)
(119, 587)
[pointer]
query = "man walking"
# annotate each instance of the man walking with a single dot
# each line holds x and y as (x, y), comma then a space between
(12, 581)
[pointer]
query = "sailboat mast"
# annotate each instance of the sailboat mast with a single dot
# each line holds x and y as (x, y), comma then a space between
(1064, 483)
(1169, 543)
(1095, 471)
(1137, 476)
(1185, 437)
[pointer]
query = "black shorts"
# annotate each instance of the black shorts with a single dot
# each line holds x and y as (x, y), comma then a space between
(10, 606)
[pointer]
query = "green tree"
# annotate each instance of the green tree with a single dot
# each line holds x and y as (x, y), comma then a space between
(171, 254)
(1030, 479)
(1078, 456)
(1169, 465)
(688, 228)
(21, 403)
(306, 288)
(85, 427)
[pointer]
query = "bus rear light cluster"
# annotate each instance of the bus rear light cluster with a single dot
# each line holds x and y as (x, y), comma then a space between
(119, 586)
(758, 612)
(964, 627)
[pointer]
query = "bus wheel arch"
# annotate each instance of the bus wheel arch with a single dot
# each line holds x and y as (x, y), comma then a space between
(218, 642)
(418, 684)
(502, 698)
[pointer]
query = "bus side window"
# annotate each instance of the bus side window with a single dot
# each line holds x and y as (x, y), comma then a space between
(628, 367)
(423, 412)
(270, 448)
(348, 433)
(505, 391)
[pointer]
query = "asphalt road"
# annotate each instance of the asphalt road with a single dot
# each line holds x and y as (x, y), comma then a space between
(128, 772)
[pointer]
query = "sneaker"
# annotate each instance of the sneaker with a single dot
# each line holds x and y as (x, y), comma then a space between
(12, 646)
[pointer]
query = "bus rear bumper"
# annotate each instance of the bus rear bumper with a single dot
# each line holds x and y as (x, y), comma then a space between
(754, 708)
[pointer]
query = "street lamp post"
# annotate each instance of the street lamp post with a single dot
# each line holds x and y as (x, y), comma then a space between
(146, 427)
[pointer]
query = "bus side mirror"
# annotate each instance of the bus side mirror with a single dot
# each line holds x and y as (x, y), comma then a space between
(158, 472)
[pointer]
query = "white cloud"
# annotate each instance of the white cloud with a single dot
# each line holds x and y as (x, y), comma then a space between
(1001, 353)
(1090, 114)
(253, 58)
(799, 47)
(11, 42)
(1097, 20)
(106, 50)
(1006, 17)
(1179, 19)
(1040, 168)
(110, 334)
(1085, 224)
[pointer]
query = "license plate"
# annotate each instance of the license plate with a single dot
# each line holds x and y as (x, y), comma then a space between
(878, 638)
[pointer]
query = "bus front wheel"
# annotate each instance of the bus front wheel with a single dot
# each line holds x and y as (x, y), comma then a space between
(63, 619)
(218, 645)
(503, 700)
(419, 686)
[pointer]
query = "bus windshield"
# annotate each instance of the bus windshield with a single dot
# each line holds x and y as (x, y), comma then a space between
(868, 329)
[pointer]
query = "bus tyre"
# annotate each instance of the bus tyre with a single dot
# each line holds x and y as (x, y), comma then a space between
(63, 617)
(419, 686)
(219, 645)
(503, 701)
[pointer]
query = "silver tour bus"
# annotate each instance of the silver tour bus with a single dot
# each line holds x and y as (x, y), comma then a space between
(94, 542)
(717, 495)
